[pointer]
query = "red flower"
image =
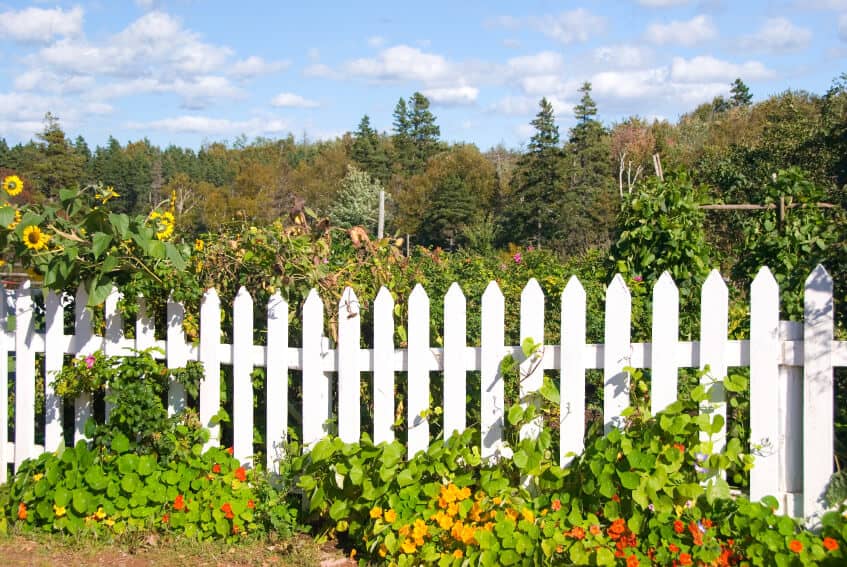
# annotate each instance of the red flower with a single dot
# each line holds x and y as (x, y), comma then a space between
(695, 533)
(617, 528)
(673, 548)
(616, 498)
(576, 532)
(216, 468)
(227, 510)
(678, 526)
(234, 529)
(707, 523)
(830, 544)
(22, 511)
(632, 561)
(684, 559)
(595, 529)
(795, 546)
(251, 504)
(179, 502)
(556, 505)
(165, 519)
(240, 474)
(229, 450)
(679, 447)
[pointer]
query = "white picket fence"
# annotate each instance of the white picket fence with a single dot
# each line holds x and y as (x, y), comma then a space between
(791, 369)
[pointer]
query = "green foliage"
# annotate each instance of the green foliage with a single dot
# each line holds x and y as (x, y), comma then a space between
(357, 204)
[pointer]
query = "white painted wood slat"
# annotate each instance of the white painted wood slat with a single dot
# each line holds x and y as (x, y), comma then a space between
(349, 377)
(617, 354)
(455, 375)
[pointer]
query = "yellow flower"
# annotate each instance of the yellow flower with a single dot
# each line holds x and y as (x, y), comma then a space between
(100, 513)
(17, 219)
(528, 515)
(383, 551)
(404, 530)
(376, 512)
(390, 516)
(108, 193)
(164, 224)
(408, 546)
(34, 238)
(109, 522)
(59, 511)
(37, 477)
(236, 484)
(13, 185)
(458, 553)
(198, 245)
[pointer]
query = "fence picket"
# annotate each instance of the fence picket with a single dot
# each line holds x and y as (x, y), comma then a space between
(664, 369)
(714, 317)
(177, 354)
(491, 379)
(5, 457)
(83, 344)
(766, 413)
(455, 375)
(315, 382)
(24, 375)
(210, 387)
(418, 373)
(531, 369)
(383, 375)
(572, 381)
(818, 413)
(145, 327)
(791, 426)
(276, 363)
(54, 351)
(617, 353)
(242, 368)
(349, 376)
(114, 334)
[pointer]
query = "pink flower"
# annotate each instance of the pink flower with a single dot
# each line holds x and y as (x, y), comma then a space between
(638, 279)
(89, 361)
(530, 248)
(517, 258)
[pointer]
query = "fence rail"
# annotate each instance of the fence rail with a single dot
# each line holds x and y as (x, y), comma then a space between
(791, 369)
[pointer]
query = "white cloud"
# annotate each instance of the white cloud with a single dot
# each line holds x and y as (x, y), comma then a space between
(514, 105)
(213, 126)
(254, 66)
(291, 100)
(39, 79)
(399, 63)
(540, 63)
(452, 96)
(569, 27)
(37, 24)
(629, 84)
(690, 32)
(623, 56)
(777, 34)
(704, 68)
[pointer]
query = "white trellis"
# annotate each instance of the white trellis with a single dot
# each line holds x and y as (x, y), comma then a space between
(791, 369)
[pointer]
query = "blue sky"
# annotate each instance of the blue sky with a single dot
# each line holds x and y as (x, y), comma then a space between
(190, 72)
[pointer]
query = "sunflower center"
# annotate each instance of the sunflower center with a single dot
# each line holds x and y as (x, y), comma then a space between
(33, 237)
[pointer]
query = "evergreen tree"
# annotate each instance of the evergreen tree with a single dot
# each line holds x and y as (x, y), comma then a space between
(451, 209)
(401, 136)
(740, 94)
(368, 152)
(59, 166)
(586, 109)
(357, 203)
(423, 131)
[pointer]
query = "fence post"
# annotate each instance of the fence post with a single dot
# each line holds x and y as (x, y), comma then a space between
(418, 371)
(276, 385)
(766, 411)
(491, 379)
(455, 375)
(24, 376)
(383, 375)
(664, 367)
(818, 390)
(210, 341)
(572, 375)
(349, 375)
(616, 353)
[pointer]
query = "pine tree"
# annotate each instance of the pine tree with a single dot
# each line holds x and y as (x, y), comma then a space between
(357, 202)
(740, 94)
(368, 152)
(59, 166)
(451, 209)
(423, 130)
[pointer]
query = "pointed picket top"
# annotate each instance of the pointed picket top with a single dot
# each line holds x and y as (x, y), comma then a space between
(572, 364)
(663, 363)
(54, 333)
(714, 321)
(455, 373)
(766, 410)
(242, 383)
(492, 415)
(616, 352)
(383, 375)
(276, 384)
(316, 390)
(349, 375)
(418, 371)
(532, 369)
(24, 375)
(210, 386)
(818, 412)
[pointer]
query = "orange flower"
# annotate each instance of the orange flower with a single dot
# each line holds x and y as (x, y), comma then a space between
(684, 559)
(576, 533)
(795, 546)
(22, 511)
(673, 548)
(229, 450)
(617, 528)
(240, 474)
(830, 544)
(227, 510)
(556, 505)
(707, 523)
(678, 526)
(594, 530)
(632, 561)
(679, 447)
(616, 498)
(695, 533)
(251, 504)
(165, 519)
(216, 468)
(179, 502)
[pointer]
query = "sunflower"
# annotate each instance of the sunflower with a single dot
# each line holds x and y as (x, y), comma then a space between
(34, 238)
(198, 245)
(13, 185)
(164, 224)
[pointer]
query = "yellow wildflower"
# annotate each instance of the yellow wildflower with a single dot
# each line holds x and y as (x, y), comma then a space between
(100, 513)
(34, 238)
(528, 515)
(13, 185)
(383, 551)
(390, 516)
(408, 546)
(404, 530)
(458, 553)
(59, 511)
(37, 477)
(376, 512)
(109, 522)
(198, 245)
(108, 193)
